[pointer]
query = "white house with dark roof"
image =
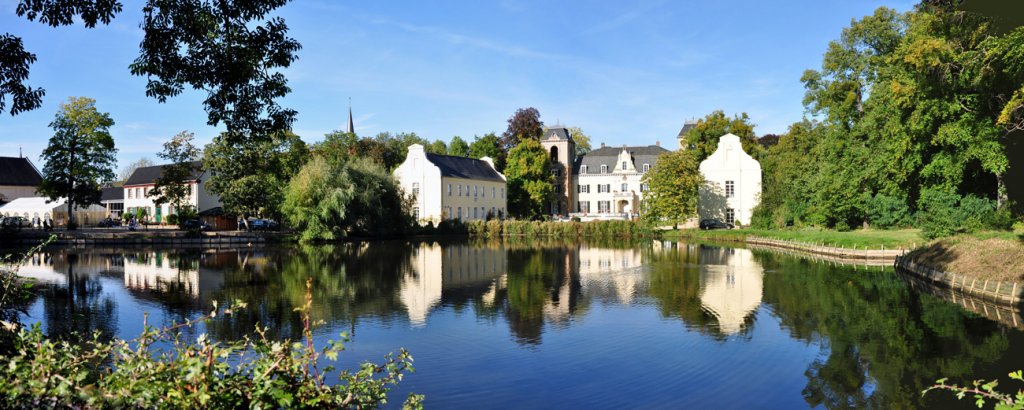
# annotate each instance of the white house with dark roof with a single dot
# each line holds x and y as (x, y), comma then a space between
(18, 179)
(138, 185)
(451, 187)
(732, 185)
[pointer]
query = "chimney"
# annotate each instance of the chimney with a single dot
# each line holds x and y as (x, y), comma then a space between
(658, 143)
(602, 145)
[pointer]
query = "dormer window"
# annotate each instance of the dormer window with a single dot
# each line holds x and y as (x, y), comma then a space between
(623, 165)
(647, 167)
(583, 169)
(604, 169)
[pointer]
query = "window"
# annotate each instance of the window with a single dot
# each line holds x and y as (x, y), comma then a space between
(556, 172)
(129, 194)
(476, 191)
(503, 193)
(458, 215)
(625, 187)
(584, 189)
(584, 206)
(475, 214)
(415, 189)
(494, 192)
(416, 213)
(730, 216)
(647, 167)
(623, 165)
(644, 188)
(604, 169)
(460, 189)
(449, 189)
(730, 189)
(604, 206)
(583, 169)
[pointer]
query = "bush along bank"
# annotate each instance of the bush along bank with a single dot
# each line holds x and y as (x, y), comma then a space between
(568, 230)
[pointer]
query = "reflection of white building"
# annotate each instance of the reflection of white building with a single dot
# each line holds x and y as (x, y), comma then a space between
(615, 268)
(435, 267)
(154, 273)
(733, 183)
(731, 285)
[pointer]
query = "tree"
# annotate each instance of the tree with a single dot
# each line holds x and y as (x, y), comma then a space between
(438, 147)
(326, 201)
(524, 124)
(14, 69)
(171, 187)
(230, 49)
(485, 146)
(250, 178)
(79, 156)
(673, 183)
(703, 138)
(581, 139)
(529, 179)
(129, 169)
(458, 147)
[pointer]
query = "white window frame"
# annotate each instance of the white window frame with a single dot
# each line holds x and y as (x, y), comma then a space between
(604, 168)
(647, 167)
(730, 189)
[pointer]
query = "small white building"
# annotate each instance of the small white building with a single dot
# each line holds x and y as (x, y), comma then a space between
(450, 187)
(138, 185)
(38, 209)
(732, 185)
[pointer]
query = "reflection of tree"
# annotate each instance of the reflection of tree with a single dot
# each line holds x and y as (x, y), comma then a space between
(77, 307)
(350, 280)
(884, 342)
(542, 285)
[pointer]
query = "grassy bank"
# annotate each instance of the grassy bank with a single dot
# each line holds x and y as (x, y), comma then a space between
(985, 255)
(872, 239)
(571, 230)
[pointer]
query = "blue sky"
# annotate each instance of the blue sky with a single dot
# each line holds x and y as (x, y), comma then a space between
(625, 72)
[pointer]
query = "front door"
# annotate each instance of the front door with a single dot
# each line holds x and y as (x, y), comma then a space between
(159, 214)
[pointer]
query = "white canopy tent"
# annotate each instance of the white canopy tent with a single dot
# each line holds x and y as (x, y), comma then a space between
(39, 209)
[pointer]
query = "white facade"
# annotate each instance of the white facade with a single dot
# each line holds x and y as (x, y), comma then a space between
(137, 196)
(611, 190)
(448, 187)
(732, 183)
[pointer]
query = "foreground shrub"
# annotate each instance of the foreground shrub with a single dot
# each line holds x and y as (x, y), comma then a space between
(944, 214)
(250, 373)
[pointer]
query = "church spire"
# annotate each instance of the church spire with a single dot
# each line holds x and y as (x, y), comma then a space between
(351, 126)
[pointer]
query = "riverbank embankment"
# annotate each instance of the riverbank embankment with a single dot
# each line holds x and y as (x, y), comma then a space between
(178, 238)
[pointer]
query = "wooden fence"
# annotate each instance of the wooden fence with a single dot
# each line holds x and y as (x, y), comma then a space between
(994, 290)
(821, 249)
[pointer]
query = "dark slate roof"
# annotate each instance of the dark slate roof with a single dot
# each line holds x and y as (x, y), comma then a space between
(608, 155)
(114, 193)
(18, 172)
(556, 133)
(462, 167)
(147, 175)
(687, 127)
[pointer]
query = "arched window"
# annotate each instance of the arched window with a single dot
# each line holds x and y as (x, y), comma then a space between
(554, 154)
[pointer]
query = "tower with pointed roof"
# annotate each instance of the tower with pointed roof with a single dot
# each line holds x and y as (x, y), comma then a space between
(350, 128)
(558, 142)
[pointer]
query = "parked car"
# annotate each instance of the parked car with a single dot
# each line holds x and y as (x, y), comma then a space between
(195, 224)
(16, 222)
(714, 224)
(264, 225)
(109, 223)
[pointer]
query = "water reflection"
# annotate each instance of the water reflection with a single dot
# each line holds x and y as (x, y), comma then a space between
(871, 340)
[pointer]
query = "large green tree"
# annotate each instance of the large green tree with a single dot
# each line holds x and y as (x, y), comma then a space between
(524, 124)
(250, 178)
(703, 138)
(171, 187)
(326, 201)
(438, 147)
(488, 145)
(79, 156)
(386, 148)
(582, 141)
(458, 147)
(673, 185)
(530, 183)
(127, 171)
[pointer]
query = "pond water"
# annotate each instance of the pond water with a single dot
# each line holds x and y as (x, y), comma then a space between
(556, 325)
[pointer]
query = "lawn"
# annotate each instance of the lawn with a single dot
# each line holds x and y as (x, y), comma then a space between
(870, 238)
